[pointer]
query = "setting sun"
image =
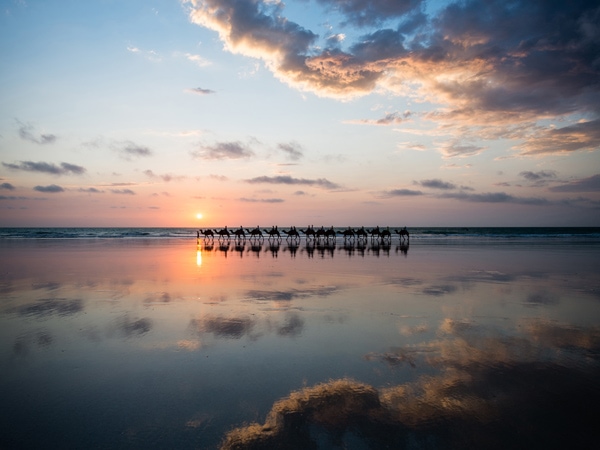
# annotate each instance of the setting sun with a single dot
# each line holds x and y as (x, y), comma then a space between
(199, 216)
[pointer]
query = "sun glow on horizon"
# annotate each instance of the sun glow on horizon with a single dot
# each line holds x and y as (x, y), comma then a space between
(199, 216)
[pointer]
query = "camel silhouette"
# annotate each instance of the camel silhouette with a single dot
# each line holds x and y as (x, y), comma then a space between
(273, 233)
(255, 233)
(208, 234)
(223, 234)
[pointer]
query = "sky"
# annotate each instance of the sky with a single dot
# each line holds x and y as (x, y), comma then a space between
(207, 113)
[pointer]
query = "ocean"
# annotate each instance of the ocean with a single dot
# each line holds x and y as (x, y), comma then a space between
(417, 234)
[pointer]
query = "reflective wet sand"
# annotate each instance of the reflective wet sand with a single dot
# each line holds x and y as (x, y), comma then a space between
(173, 344)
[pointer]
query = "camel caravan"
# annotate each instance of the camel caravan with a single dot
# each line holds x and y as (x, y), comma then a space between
(322, 234)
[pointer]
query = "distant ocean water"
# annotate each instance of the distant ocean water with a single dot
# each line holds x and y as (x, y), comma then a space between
(432, 235)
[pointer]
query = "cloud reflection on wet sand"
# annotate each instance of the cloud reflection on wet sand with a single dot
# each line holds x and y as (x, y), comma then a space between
(493, 393)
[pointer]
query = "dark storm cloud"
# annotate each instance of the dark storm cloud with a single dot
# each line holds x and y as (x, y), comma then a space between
(27, 133)
(51, 189)
(591, 184)
(436, 184)
(44, 167)
(224, 150)
(286, 179)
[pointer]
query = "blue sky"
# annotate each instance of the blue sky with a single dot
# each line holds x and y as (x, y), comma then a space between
(353, 112)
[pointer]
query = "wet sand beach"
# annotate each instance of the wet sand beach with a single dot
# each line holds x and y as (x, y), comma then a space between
(178, 343)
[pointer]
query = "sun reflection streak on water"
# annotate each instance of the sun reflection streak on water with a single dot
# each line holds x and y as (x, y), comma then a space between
(198, 257)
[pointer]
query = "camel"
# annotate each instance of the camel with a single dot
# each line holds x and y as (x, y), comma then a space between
(330, 233)
(309, 232)
(320, 233)
(239, 234)
(385, 235)
(256, 233)
(208, 234)
(404, 234)
(224, 233)
(292, 234)
(348, 234)
(361, 233)
(274, 233)
(375, 233)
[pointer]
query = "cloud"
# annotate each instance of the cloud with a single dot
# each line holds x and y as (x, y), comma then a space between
(122, 191)
(44, 167)
(286, 179)
(436, 184)
(7, 186)
(489, 70)
(262, 200)
(394, 118)
(51, 189)
(495, 197)
(198, 60)
(457, 150)
(27, 133)
(538, 176)
(91, 190)
(582, 136)
(165, 177)
(590, 184)
(200, 91)
(129, 150)
(224, 150)
(372, 12)
(399, 193)
(293, 150)
(13, 197)
(150, 55)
